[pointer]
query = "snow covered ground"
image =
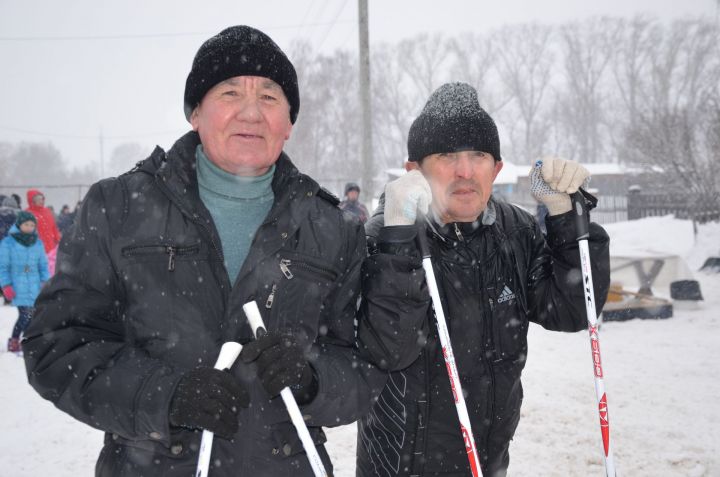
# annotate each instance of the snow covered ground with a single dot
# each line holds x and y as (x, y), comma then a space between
(662, 383)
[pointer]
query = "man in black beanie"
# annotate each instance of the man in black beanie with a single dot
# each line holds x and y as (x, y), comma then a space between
(152, 278)
(496, 272)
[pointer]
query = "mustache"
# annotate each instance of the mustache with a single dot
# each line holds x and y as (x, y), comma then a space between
(464, 184)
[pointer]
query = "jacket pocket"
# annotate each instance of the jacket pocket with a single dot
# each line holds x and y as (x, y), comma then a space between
(158, 252)
(297, 296)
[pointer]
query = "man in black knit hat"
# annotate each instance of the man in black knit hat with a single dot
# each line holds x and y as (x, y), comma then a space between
(496, 272)
(152, 278)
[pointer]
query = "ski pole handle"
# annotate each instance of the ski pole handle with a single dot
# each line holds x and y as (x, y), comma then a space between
(256, 323)
(228, 354)
(580, 207)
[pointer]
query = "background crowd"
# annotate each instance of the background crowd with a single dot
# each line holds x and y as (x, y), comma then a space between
(29, 240)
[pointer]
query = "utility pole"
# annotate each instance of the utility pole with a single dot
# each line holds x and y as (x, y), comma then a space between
(366, 146)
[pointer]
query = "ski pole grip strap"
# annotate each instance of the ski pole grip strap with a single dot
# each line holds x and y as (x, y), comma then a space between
(422, 236)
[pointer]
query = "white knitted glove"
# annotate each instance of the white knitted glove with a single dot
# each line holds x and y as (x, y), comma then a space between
(404, 197)
(552, 180)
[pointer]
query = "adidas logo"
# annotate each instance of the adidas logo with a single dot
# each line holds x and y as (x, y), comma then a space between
(507, 294)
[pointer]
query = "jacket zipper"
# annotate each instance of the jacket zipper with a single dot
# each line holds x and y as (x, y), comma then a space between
(458, 233)
(488, 353)
(171, 250)
(271, 297)
(286, 263)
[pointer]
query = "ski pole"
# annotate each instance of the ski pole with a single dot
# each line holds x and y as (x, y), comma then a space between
(448, 355)
(228, 354)
(256, 323)
(583, 233)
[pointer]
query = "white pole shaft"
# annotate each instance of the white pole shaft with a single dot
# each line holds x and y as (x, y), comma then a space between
(449, 357)
(228, 354)
(597, 361)
(256, 322)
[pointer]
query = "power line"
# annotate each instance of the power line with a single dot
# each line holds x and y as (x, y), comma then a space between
(332, 24)
(152, 35)
(93, 137)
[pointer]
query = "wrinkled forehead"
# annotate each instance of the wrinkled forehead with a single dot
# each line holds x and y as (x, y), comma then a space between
(264, 83)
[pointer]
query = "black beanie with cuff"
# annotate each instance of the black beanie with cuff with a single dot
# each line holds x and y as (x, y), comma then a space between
(453, 121)
(240, 51)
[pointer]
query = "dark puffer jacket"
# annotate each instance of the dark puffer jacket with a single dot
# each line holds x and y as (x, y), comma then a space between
(494, 278)
(141, 296)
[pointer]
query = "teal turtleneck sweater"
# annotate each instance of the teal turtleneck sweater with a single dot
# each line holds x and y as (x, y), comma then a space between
(238, 206)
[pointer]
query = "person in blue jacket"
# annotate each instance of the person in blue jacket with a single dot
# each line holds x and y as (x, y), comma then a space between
(23, 270)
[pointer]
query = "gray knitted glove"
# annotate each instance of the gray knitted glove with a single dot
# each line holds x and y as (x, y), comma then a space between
(552, 180)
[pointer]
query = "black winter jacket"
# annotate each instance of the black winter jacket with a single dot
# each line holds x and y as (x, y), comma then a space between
(141, 295)
(494, 278)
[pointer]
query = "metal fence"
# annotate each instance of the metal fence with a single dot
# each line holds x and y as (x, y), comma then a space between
(682, 206)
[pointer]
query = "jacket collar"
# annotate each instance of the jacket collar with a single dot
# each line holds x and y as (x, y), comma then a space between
(459, 231)
(293, 192)
(177, 168)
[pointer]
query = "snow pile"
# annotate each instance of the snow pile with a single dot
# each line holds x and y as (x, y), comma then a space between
(661, 379)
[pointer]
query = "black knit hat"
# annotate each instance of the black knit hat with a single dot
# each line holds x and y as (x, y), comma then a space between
(25, 216)
(240, 51)
(452, 121)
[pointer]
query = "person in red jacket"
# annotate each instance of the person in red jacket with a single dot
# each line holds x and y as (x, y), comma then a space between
(46, 226)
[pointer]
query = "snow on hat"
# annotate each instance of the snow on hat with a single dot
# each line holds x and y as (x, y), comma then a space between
(452, 121)
(24, 216)
(240, 51)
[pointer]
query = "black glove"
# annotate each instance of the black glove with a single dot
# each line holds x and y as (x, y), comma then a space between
(281, 363)
(207, 398)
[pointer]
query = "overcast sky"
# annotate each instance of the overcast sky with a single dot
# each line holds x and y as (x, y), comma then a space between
(71, 69)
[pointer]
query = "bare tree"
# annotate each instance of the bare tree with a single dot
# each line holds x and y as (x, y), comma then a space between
(423, 58)
(676, 127)
(392, 107)
(475, 60)
(587, 48)
(325, 140)
(524, 69)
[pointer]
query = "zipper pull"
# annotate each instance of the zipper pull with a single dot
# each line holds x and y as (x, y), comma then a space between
(458, 233)
(171, 258)
(271, 297)
(284, 267)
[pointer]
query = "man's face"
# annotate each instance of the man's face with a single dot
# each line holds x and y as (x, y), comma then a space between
(243, 123)
(461, 183)
(39, 199)
(352, 195)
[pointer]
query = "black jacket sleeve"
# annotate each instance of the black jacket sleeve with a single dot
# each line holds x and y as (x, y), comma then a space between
(555, 292)
(392, 323)
(75, 350)
(347, 383)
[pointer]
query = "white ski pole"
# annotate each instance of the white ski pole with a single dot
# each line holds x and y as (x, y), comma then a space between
(449, 356)
(228, 354)
(256, 323)
(583, 233)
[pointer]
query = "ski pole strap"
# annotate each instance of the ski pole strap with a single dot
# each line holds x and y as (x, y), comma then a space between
(582, 203)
